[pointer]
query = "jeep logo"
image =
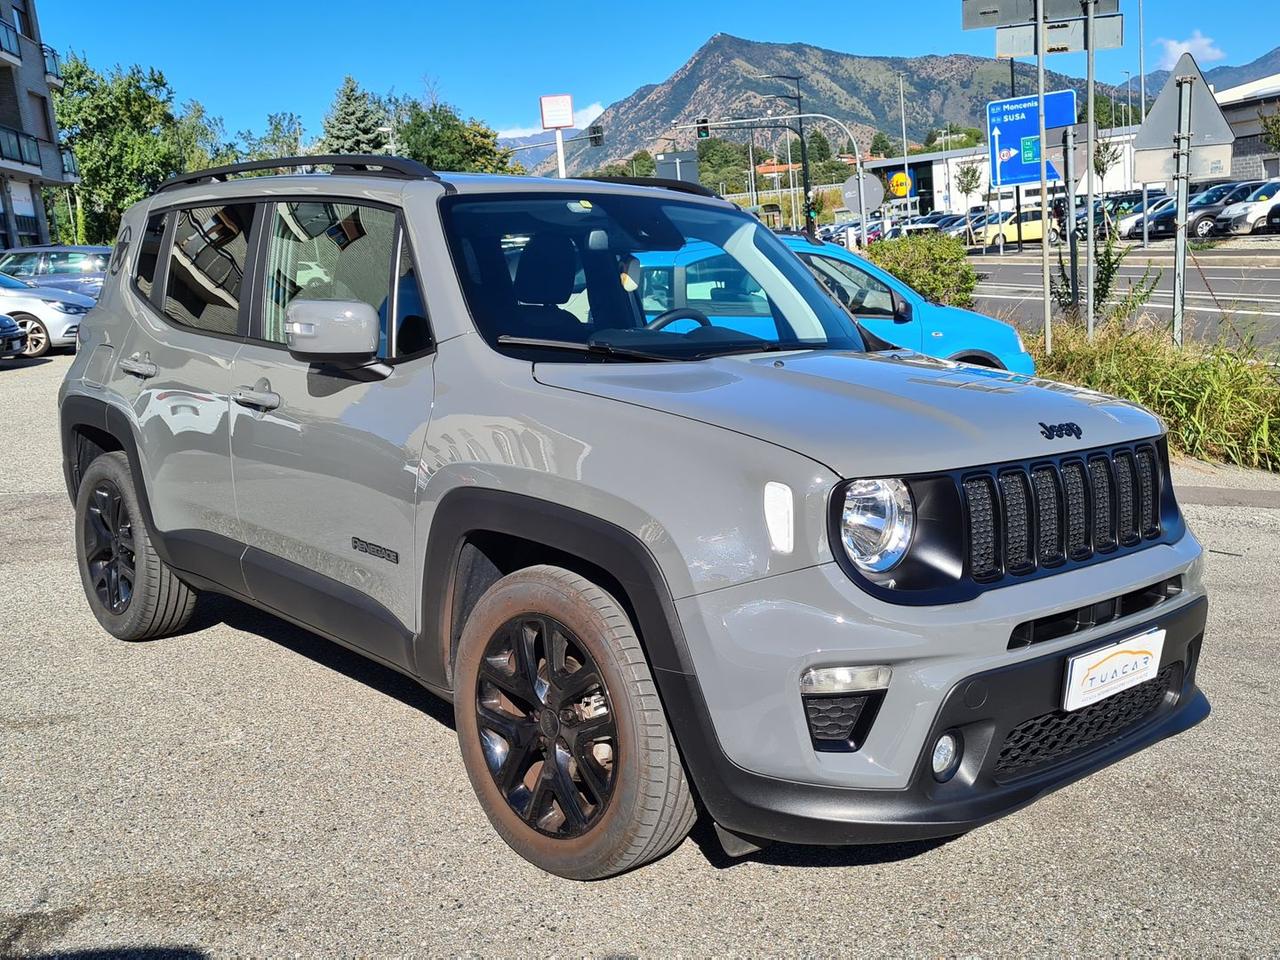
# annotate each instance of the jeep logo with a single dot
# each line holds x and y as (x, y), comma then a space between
(1053, 431)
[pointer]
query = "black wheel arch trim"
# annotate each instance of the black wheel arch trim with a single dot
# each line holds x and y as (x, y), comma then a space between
(961, 355)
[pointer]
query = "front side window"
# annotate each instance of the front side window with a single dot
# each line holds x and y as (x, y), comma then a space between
(858, 290)
(1264, 192)
(20, 264)
(644, 275)
(207, 267)
(326, 250)
(149, 253)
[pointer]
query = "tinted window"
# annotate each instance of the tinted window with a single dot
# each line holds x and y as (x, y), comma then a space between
(20, 264)
(322, 250)
(858, 290)
(149, 253)
(75, 262)
(413, 333)
(207, 267)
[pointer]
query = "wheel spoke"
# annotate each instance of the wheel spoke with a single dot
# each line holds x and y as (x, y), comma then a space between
(594, 777)
(524, 642)
(515, 685)
(576, 685)
(102, 501)
(113, 584)
(539, 797)
(566, 791)
(519, 736)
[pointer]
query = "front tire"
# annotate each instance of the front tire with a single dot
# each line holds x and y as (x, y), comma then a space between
(562, 733)
(131, 591)
(37, 335)
(1203, 228)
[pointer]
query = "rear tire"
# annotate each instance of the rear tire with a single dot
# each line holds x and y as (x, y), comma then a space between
(1203, 228)
(574, 765)
(37, 335)
(131, 591)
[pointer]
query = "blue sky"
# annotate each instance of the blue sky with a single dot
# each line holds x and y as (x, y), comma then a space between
(492, 59)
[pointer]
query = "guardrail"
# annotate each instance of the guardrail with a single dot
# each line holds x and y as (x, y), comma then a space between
(19, 147)
(9, 42)
(52, 63)
(69, 166)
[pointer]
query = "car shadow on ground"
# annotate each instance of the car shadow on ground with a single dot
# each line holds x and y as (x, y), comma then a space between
(792, 855)
(213, 609)
(22, 363)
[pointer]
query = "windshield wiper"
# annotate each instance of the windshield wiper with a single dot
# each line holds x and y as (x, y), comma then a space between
(595, 347)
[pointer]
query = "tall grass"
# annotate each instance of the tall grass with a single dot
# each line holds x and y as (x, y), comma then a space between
(1220, 401)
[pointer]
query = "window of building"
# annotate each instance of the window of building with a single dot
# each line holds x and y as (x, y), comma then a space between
(327, 250)
(22, 19)
(41, 124)
(206, 267)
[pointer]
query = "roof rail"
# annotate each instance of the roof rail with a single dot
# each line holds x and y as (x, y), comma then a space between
(366, 164)
(680, 186)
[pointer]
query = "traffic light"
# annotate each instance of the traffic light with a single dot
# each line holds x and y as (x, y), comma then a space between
(704, 128)
(595, 135)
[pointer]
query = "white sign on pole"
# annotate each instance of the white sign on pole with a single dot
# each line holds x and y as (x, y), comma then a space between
(1154, 157)
(1061, 36)
(557, 111)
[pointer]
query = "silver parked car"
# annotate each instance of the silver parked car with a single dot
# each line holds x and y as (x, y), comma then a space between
(79, 269)
(726, 546)
(50, 318)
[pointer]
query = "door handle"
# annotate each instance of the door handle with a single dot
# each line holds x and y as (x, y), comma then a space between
(259, 396)
(140, 367)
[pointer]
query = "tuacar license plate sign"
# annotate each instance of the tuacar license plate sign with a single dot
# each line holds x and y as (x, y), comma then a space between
(1102, 673)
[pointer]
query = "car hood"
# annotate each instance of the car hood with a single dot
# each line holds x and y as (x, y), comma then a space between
(868, 414)
(51, 293)
(1244, 206)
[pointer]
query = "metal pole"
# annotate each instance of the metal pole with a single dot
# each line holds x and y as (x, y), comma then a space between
(1017, 190)
(1069, 221)
(902, 107)
(791, 183)
(560, 151)
(1142, 107)
(1044, 180)
(1182, 157)
(751, 168)
(1090, 265)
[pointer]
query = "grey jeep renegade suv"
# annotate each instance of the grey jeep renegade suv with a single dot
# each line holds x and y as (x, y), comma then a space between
(670, 543)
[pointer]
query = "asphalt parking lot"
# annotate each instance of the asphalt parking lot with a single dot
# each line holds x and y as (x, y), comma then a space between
(248, 788)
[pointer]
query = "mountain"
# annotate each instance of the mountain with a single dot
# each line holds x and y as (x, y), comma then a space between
(720, 80)
(534, 155)
(1223, 77)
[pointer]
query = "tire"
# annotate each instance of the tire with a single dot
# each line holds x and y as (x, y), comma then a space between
(615, 764)
(37, 335)
(1203, 228)
(131, 591)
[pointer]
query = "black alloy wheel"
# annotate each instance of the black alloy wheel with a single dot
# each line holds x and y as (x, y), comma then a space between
(109, 547)
(546, 726)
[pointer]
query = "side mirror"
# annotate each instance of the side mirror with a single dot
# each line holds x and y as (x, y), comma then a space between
(331, 331)
(901, 311)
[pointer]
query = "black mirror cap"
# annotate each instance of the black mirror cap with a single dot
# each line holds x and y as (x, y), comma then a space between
(902, 311)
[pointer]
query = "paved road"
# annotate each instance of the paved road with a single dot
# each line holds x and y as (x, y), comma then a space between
(248, 788)
(1240, 288)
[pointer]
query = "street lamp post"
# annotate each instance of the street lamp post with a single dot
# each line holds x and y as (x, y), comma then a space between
(804, 147)
(1128, 98)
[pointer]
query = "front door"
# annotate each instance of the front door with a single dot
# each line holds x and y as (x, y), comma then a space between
(325, 461)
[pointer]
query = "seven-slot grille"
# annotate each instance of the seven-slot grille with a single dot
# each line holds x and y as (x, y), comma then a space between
(1021, 517)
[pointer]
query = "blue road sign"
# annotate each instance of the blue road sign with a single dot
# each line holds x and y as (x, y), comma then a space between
(1013, 129)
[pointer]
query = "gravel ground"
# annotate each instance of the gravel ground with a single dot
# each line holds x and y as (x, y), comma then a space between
(248, 788)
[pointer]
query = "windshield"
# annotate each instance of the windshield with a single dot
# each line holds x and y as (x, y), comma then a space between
(1212, 195)
(12, 283)
(653, 275)
(1265, 192)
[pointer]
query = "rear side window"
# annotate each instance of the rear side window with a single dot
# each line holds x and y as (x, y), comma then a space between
(207, 267)
(75, 262)
(324, 250)
(149, 254)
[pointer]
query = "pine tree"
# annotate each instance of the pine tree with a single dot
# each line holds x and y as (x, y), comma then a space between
(353, 122)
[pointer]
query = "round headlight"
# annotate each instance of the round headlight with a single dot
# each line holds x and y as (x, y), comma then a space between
(876, 523)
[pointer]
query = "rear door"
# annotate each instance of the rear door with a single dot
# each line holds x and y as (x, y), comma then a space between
(186, 294)
(326, 473)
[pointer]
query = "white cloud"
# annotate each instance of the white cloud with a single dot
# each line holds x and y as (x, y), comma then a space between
(581, 118)
(1198, 45)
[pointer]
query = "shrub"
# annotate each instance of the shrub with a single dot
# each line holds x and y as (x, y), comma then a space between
(1219, 401)
(935, 265)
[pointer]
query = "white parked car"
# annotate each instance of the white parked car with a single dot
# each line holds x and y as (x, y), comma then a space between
(1130, 225)
(1250, 214)
(49, 318)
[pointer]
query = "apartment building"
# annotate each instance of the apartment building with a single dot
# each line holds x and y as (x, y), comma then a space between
(30, 155)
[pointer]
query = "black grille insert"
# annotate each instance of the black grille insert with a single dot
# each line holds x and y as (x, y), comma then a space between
(841, 723)
(1082, 618)
(1024, 517)
(1044, 740)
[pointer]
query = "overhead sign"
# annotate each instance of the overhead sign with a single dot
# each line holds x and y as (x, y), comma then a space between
(1211, 136)
(980, 14)
(557, 111)
(1061, 36)
(1013, 135)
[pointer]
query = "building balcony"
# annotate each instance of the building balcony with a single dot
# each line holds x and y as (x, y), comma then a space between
(70, 169)
(10, 45)
(52, 67)
(19, 151)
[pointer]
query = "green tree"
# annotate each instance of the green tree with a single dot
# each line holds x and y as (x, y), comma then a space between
(436, 134)
(123, 131)
(645, 166)
(968, 180)
(1270, 128)
(201, 139)
(353, 123)
(819, 147)
(880, 144)
(282, 138)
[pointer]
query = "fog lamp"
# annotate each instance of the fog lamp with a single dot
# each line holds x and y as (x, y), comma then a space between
(946, 757)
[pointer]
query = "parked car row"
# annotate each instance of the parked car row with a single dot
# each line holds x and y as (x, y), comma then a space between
(44, 293)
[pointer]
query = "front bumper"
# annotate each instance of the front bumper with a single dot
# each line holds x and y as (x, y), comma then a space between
(984, 708)
(1235, 226)
(12, 345)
